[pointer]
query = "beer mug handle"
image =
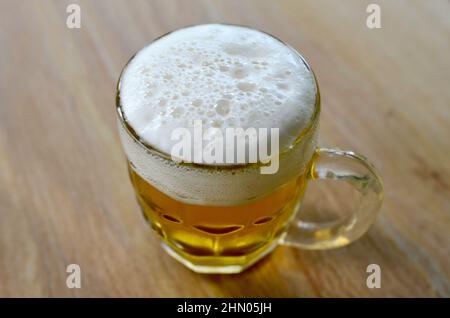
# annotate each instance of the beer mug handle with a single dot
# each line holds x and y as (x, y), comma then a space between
(361, 175)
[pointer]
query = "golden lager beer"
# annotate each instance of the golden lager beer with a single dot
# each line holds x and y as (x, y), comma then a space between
(214, 236)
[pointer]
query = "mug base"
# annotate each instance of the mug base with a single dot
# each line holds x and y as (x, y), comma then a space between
(203, 267)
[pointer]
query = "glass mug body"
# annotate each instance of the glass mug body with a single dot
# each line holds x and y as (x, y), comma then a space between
(223, 235)
(231, 230)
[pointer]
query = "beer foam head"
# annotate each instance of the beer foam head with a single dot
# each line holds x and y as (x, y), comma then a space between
(225, 76)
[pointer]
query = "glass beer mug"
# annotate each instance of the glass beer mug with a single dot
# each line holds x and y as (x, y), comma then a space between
(224, 218)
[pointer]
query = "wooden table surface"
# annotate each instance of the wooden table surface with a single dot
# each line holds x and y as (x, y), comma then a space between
(65, 196)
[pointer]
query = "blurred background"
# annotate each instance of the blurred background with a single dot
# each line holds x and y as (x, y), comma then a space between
(65, 196)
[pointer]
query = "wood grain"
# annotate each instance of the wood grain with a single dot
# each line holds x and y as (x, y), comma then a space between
(64, 192)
